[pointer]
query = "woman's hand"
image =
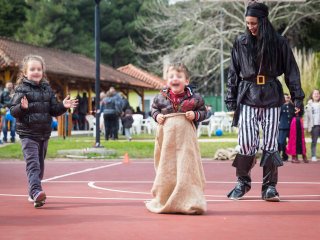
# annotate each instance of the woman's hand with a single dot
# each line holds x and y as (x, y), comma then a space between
(70, 103)
(160, 118)
(24, 103)
(190, 115)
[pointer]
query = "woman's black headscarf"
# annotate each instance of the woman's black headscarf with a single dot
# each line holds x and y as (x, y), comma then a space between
(257, 10)
(263, 46)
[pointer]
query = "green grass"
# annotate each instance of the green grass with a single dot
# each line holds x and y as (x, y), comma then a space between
(135, 148)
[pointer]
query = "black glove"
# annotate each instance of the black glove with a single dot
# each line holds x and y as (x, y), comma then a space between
(231, 106)
(298, 104)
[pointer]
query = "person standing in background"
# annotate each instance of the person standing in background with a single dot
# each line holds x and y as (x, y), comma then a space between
(83, 111)
(297, 144)
(286, 115)
(127, 121)
(111, 108)
(312, 121)
(7, 119)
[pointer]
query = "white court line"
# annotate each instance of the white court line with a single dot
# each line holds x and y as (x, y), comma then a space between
(73, 197)
(144, 199)
(203, 161)
(86, 170)
(92, 185)
(86, 181)
(208, 182)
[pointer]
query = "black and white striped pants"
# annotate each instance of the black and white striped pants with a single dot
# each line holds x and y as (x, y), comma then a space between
(249, 121)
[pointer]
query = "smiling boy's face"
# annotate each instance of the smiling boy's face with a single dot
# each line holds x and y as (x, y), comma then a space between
(177, 80)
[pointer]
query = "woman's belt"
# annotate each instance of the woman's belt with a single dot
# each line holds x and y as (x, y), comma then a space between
(260, 79)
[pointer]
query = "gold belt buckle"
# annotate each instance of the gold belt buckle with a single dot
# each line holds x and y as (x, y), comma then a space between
(261, 79)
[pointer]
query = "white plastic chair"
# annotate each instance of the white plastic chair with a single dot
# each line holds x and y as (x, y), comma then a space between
(146, 124)
(153, 125)
(91, 121)
(215, 123)
(137, 123)
(206, 127)
(226, 124)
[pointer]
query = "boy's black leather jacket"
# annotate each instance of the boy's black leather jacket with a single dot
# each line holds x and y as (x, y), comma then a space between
(35, 122)
(242, 87)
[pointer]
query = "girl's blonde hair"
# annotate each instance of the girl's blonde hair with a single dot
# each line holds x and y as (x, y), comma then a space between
(24, 65)
(180, 67)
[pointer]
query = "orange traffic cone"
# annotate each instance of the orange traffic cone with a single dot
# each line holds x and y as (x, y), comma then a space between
(126, 158)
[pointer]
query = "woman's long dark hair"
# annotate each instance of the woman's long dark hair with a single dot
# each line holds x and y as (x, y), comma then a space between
(265, 44)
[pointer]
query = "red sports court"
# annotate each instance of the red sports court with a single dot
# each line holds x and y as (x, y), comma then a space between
(105, 200)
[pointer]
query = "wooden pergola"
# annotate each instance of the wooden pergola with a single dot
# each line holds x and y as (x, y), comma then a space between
(67, 71)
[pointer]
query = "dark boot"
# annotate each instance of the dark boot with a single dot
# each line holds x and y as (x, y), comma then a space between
(270, 162)
(285, 156)
(243, 164)
(282, 149)
(295, 159)
(305, 160)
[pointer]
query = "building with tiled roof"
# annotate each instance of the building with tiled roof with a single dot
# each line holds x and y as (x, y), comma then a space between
(149, 78)
(66, 71)
(143, 75)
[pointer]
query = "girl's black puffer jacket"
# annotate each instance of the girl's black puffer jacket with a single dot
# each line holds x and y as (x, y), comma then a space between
(35, 122)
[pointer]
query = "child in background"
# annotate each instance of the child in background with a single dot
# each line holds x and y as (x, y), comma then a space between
(33, 105)
(127, 121)
(297, 143)
(312, 121)
(8, 122)
(179, 183)
(286, 115)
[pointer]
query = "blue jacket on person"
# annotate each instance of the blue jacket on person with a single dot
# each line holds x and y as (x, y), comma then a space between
(286, 115)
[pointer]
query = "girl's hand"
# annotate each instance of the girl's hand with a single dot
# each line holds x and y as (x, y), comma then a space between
(190, 115)
(70, 103)
(297, 110)
(24, 103)
(160, 118)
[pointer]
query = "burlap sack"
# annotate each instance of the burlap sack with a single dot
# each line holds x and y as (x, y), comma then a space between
(179, 183)
(225, 154)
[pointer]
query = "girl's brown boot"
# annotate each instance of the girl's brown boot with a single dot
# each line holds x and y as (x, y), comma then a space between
(295, 159)
(305, 160)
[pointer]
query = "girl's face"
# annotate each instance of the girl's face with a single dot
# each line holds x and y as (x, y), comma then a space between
(287, 98)
(34, 71)
(177, 80)
(252, 25)
(315, 95)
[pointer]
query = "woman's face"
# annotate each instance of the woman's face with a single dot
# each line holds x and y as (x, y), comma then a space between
(34, 71)
(287, 98)
(252, 25)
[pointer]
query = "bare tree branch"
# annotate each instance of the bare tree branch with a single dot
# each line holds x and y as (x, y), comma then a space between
(191, 32)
